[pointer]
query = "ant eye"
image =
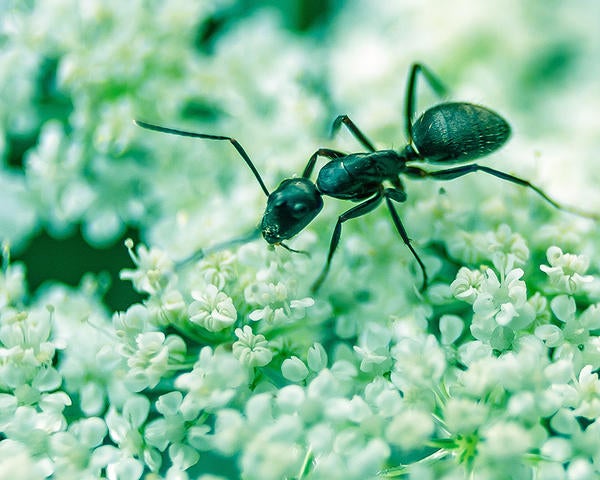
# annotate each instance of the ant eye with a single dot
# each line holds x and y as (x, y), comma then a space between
(299, 209)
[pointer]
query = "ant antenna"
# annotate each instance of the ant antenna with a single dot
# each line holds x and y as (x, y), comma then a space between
(234, 142)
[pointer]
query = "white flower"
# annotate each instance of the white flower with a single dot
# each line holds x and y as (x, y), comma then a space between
(251, 350)
(501, 304)
(229, 431)
(17, 458)
(507, 249)
(410, 429)
(451, 327)
(373, 348)
(294, 369)
(590, 318)
(505, 441)
(566, 270)
(213, 382)
(418, 362)
(276, 301)
(153, 268)
(588, 387)
(466, 285)
(125, 428)
(464, 416)
(131, 322)
(75, 447)
(12, 282)
(557, 449)
(316, 357)
(551, 335)
(150, 358)
(212, 309)
(219, 268)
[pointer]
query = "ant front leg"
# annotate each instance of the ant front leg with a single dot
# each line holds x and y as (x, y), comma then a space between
(400, 196)
(452, 173)
(411, 92)
(354, 130)
(358, 211)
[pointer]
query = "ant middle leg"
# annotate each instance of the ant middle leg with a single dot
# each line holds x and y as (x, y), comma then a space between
(400, 196)
(362, 209)
(354, 130)
(452, 173)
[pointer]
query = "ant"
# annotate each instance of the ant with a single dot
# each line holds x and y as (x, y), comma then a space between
(447, 133)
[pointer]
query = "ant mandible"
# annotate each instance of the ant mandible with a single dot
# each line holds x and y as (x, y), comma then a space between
(448, 133)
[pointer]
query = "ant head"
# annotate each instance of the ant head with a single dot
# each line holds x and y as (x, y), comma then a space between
(290, 208)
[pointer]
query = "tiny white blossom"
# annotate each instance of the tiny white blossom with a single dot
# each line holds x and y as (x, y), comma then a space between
(505, 441)
(164, 431)
(590, 318)
(294, 369)
(218, 268)
(564, 308)
(507, 249)
(466, 285)
(316, 357)
(17, 458)
(410, 429)
(150, 358)
(451, 327)
(74, 448)
(290, 398)
(588, 387)
(130, 468)
(373, 348)
(276, 301)
(566, 271)
(581, 469)
(418, 362)
(564, 422)
(214, 381)
(250, 349)
(342, 409)
(501, 304)
(212, 309)
(153, 267)
(464, 416)
(551, 335)
(383, 397)
(557, 449)
(131, 322)
(12, 283)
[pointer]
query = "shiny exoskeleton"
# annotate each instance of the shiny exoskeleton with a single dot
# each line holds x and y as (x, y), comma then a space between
(450, 132)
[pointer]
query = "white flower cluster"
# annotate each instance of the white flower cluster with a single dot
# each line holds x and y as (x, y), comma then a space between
(228, 367)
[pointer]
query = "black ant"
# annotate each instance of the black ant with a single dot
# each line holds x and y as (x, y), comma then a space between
(450, 132)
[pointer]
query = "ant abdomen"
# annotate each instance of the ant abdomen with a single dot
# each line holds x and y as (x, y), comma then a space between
(458, 132)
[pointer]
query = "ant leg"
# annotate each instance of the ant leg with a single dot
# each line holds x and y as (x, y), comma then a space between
(411, 89)
(321, 152)
(293, 250)
(234, 142)
(400, 196)
(200, 254)
(354, 130)
(452, 173)
(358, 211)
